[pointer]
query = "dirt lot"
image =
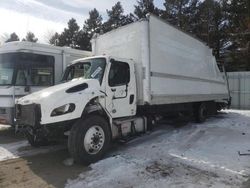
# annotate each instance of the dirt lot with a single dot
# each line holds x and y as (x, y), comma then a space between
(45, 169)
(189, 155)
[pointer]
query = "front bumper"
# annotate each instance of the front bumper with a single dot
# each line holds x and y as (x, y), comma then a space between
(28, 115)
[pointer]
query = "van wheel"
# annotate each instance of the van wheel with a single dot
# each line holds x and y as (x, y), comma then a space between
(201, 112)
(35, 140)
(89, 139)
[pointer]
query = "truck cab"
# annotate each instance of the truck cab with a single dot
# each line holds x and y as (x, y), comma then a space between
(101, 89)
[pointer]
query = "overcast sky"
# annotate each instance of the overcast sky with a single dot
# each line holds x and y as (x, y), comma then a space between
(44, 17)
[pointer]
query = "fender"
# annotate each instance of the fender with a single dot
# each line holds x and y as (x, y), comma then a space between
(94, 106)
(81, 99)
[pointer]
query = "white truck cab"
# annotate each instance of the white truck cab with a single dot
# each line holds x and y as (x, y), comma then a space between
(108, 80)
(102, 87)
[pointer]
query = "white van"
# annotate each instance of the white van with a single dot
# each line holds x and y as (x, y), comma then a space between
(26, 67)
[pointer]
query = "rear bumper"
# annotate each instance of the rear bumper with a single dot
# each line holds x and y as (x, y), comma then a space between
(28, 115)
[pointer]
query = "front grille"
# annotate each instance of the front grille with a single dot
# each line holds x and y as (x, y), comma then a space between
(28, 114)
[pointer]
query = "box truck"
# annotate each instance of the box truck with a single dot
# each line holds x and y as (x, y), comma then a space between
(138, 72)
(27, 67)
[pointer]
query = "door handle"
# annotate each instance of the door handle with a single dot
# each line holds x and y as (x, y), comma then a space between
(131, 99)
(113, 89)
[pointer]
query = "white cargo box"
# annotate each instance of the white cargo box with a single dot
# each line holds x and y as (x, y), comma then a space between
(171, 66)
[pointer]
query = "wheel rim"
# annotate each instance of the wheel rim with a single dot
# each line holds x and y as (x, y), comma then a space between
(94, 140)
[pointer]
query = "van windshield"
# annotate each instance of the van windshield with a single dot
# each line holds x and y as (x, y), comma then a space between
(7, 68)
(88, 69)
(21, 69)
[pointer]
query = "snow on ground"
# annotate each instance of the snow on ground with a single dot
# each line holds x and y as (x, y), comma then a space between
(4, 127)
(22, 148)
(195, 155)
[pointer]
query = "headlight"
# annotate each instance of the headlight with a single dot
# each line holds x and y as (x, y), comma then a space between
(67, 108)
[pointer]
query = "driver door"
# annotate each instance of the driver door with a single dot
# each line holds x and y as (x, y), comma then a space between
(121, 89)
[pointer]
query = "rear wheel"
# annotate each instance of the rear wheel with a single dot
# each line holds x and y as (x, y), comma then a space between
(89, 139)
(150, 123)
(201, 112)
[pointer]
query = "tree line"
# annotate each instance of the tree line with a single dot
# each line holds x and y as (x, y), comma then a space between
(29, 37)
(223, 25)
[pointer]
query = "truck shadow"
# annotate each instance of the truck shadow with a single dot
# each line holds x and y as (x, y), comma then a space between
(8, 135)
(44, 170)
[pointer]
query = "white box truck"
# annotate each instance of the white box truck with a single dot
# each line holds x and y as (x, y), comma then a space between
(139, 71)
(27, 67)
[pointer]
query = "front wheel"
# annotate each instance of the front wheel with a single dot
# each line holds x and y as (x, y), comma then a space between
(89, 139)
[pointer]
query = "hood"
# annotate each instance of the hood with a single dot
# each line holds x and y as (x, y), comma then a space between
(55, 90)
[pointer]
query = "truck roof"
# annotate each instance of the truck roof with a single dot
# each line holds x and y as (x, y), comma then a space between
(86, 58)
(24, 45)
(147, 19)
(94, 57)
(178, 28)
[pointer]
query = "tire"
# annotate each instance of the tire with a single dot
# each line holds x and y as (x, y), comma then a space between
(34, 140)
(89, 139)
(150, 123)
(201, 112)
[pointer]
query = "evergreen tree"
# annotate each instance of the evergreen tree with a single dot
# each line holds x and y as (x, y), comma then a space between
(83, 40)
(210, 25)
(116, 18)
(190, 17)
(92, 25)
(30, 37)
(238, 14)
(69, 37)
(13, 37)
(238, 34)
(218, 23)
(54, 40)
(175, 12)
(144, 7)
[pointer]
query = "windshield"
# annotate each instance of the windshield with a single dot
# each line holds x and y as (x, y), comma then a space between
(21, 69)
(7, 68)
(88, 69)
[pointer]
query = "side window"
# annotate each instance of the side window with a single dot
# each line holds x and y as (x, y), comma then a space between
(119, 74)
(35, 70)
(42, 70)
